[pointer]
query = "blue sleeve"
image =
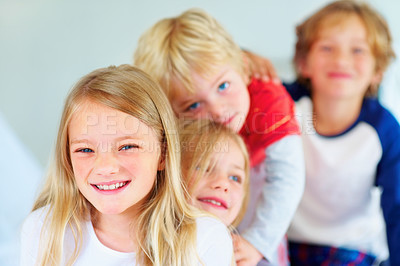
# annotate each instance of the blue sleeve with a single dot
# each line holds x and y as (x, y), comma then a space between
(388, 178)
(296, 90)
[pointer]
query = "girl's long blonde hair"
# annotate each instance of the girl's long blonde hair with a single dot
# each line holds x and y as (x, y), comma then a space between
(166, 227)
(200, 139)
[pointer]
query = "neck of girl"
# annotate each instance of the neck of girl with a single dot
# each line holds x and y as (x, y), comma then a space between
(334, 116)
(115, 231)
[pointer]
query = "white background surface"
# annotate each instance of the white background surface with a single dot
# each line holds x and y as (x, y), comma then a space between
(47, 45)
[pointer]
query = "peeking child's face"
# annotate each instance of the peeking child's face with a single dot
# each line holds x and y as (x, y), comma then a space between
(340, 63)
(222, 98)
(115, 158)
(221, 190)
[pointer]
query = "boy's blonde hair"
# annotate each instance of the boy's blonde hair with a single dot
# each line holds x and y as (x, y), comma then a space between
(200, 139)
(166, 227)
(193, 41)
(378, 34)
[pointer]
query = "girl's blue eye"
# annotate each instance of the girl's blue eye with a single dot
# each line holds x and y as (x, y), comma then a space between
(85, 150)
(194, 106)
(223, 86)
(128, 147)
(198, 168)
(234, 178)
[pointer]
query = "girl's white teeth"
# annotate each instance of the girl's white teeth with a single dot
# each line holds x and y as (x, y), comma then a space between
(111, 187)
(213, 202)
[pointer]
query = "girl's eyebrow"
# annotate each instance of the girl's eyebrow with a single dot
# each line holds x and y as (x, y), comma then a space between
(238, 167)
(132, 137)
(75, 141)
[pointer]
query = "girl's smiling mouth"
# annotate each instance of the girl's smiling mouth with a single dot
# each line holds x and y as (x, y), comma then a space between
(110, 186)
(214, 202)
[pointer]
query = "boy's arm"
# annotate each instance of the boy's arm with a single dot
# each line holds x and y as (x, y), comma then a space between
(285, 178)
(388, 178)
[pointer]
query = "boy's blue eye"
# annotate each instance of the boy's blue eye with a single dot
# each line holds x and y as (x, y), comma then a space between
(358, 50)
(326, 48)
(223, 86)
(194, 106)
(85, 150)
(234, 178)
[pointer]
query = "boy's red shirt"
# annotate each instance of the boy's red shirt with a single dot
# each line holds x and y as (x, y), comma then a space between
(271, 117)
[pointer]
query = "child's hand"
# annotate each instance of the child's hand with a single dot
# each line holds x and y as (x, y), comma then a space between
(260, 67)
(245, 253)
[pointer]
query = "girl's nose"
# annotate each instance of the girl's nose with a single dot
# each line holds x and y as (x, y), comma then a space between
(106, 164)
(220, 182)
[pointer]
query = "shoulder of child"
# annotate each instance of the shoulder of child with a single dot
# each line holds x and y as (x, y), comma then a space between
(270, 107)
(269, 97)
(259, 86)
(296, 90)
(30, 236)
(377, 115)
(35, 219)
(214, 243)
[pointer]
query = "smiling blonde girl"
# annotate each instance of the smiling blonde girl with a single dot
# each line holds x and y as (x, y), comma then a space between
(113, 195)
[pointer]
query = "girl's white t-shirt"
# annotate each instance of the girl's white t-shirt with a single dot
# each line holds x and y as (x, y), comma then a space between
(214, 244)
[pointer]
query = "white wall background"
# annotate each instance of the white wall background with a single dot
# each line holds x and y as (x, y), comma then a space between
(47, 45)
